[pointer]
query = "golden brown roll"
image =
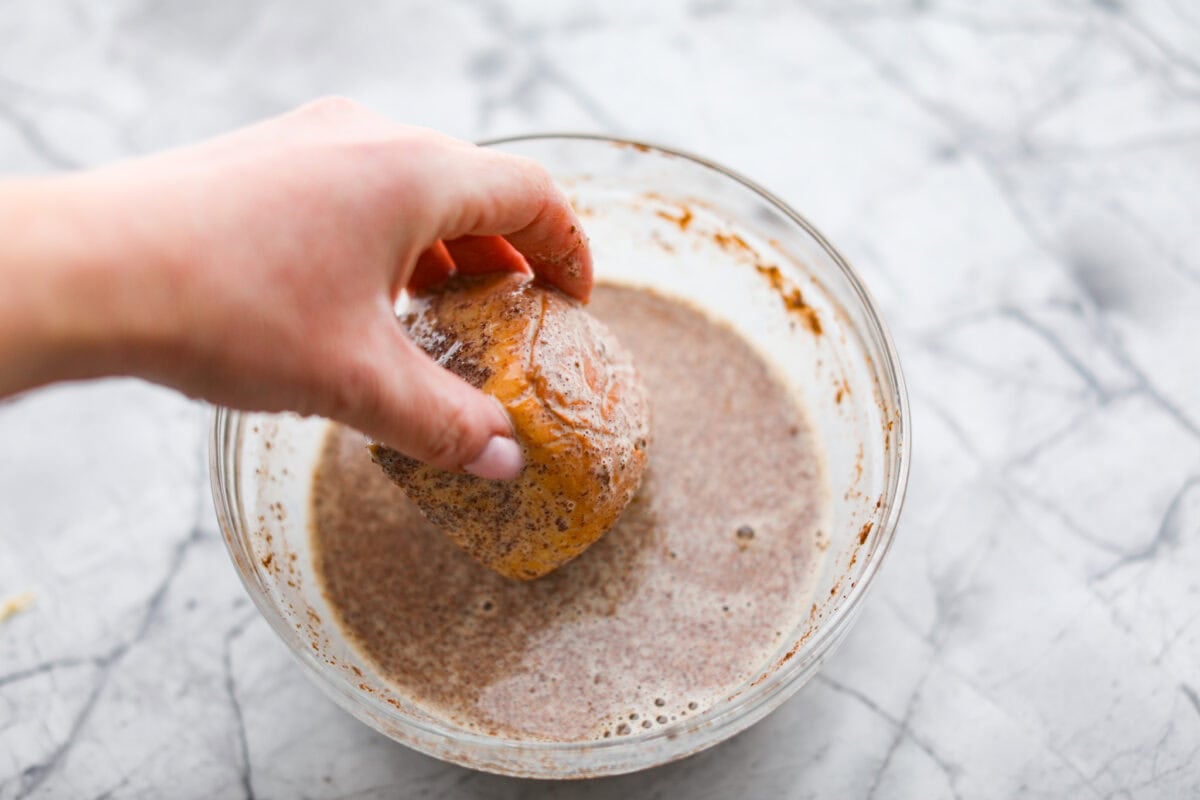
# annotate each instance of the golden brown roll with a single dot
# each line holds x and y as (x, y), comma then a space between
(577, 406)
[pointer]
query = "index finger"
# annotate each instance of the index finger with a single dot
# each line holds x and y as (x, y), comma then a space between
(489, 193)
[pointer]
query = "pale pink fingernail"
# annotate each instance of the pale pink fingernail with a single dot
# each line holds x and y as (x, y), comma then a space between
(500, 460)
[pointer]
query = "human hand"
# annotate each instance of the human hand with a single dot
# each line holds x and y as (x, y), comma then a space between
(260, 270)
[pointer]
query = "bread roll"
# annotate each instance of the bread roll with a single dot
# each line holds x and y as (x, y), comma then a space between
(578, 408)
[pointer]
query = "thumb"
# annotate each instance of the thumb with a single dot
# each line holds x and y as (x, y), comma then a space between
(407, 402)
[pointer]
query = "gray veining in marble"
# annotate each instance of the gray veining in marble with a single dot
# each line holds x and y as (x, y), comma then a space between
(1018, 183)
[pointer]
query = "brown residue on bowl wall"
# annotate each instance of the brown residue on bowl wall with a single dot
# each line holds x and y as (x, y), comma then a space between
(793, 298)
(683, 220)
(638, 146)
(731, 241)
(789, 293)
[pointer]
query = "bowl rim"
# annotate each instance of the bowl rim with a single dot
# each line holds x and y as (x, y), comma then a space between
(722, 715)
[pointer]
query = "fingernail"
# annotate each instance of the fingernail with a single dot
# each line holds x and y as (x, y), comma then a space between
(500, 460)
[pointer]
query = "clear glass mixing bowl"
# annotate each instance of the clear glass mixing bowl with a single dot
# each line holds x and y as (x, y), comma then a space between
(687, 228)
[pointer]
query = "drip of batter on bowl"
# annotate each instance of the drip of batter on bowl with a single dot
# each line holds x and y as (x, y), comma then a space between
(578, 409)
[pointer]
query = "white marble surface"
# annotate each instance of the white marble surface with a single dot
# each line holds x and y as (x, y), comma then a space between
(1017, 182)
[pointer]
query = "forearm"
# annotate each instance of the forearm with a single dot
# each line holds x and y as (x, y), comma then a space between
(76, 301)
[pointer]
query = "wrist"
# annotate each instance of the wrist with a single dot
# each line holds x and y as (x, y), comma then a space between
(77, 302)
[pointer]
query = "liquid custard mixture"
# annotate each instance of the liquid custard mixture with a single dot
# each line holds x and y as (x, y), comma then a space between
(706, 573)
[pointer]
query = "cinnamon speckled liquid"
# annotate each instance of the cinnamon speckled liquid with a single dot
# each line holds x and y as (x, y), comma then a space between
(699, 583)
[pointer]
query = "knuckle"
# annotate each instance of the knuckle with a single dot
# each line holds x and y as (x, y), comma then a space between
(331, 106)
(356, 396)
(450, 440)
(535, 176)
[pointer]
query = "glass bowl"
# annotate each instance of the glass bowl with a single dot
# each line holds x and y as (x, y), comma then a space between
(690, 229)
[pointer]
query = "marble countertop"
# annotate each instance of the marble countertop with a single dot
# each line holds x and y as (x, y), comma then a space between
(1018, 184)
